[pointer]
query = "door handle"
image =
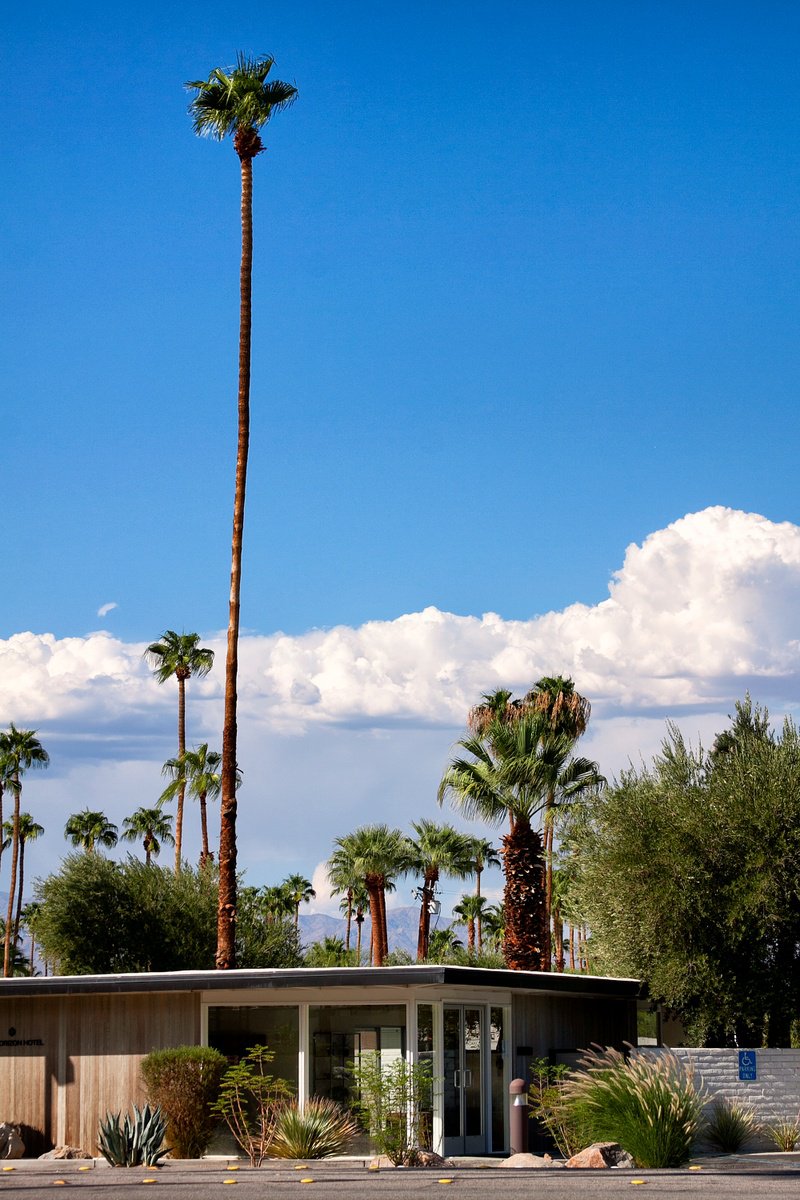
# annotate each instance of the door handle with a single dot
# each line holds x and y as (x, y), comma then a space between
(467, 1078)
(456, 1079)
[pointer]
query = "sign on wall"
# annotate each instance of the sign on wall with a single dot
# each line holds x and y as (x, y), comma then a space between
(747, 1065)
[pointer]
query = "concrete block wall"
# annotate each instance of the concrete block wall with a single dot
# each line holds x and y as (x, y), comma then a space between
(774, 1094)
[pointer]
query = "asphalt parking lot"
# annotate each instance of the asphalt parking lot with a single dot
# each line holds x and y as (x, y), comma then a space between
(750, 1176)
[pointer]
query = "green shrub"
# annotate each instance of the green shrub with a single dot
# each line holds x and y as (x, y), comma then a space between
(650, 1105)
(133, 1143)
(184, 1082)
(322, 1129)
(548, 1106)
(784, 1134)
(392, 1100)
(729, 1126)
(250, 1101)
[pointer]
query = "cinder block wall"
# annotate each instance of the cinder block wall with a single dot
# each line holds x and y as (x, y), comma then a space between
(774, 1095)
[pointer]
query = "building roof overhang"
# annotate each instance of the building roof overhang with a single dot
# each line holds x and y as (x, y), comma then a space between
(316, 978)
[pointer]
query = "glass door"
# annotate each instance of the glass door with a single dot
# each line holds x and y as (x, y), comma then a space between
(464, 1129)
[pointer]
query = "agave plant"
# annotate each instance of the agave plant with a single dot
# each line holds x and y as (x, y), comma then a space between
(133, 1142)
(322, 1129)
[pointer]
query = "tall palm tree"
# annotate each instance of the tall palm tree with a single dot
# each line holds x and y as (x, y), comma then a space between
(301, 891)
(199, 772)
(238, 101)
(467, 912)
(436, 850)
(181, 655)
(379, 855)
(87, 829)
(484, 855)
(20, 751)
(511, 769)
(29, 831)
(150, 825)
(567, 713)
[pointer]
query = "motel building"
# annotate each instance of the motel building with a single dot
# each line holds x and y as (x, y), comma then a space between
(70, 1046)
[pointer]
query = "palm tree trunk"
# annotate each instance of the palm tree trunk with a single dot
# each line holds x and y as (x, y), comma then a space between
(375, 920)
(226, 911)
(524, 898)
(382, 925)
(548, 858)
(558, 931)
(182, 788)
(478, 873)
(203, 829)
(19, 888)
(360, 925)
(12, 887)
(1, 823)
(571, 947)
(349, 919)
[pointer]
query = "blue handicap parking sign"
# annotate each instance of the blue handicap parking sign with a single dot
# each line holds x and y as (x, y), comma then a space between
(747, 1064)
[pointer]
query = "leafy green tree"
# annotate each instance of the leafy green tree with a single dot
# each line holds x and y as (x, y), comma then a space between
(88, 829)
(150, 825)
(511, 770)
(436, 850)
(301, 892)
(20, 751)
(688, 877)
(29, 830)
(198, 772)
(179, 655)
(238, 101)
(104, 917)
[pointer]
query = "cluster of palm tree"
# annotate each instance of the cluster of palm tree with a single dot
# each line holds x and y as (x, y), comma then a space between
(20, 751)
(366, 864)
(517, 765)
(281, 901)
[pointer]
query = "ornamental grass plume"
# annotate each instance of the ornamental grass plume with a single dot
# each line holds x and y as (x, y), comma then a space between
(650, 1105)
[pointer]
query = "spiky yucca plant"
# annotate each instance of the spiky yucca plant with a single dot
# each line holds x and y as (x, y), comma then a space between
(322, 1129)
(133, 1142)
(651, 1106)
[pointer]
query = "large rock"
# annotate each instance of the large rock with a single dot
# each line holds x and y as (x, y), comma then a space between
(11, 1143)
(61, 1152)
(601, 1155)
(531, 1161)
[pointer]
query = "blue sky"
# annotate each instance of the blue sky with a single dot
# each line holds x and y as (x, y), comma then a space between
(525, 290)
(525, 294)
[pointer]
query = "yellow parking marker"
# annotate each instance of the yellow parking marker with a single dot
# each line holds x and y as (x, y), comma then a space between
(444, 1181)
(59, 1182)
(302, 1167)
(84, 1168)
(230, 1181)
(638, 1181)
(694, 1168)
(8, 1168)
(307, 1180)
(149, 1181)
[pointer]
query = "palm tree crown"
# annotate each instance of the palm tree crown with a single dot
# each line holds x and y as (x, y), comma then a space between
(198, 772)
(153, 826)
(88, 829)
(239, 100)
(436, 850)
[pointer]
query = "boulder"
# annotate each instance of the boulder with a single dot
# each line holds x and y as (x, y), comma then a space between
(531, 1161)
(66, 1152)
(599, 1155)
(11, 1143)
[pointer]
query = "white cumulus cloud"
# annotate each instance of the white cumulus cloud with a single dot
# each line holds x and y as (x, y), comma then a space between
(698, 613)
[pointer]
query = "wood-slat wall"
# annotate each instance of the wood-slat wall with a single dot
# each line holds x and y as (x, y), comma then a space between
(89, 1060)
